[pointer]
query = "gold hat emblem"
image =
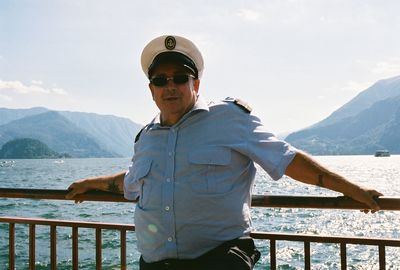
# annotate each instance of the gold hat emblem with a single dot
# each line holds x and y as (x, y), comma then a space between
(170, 42)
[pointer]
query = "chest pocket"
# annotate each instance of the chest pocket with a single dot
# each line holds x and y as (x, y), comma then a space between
(212, 174)
(140, 170)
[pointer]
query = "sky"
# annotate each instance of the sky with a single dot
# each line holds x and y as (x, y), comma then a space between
(293, 61)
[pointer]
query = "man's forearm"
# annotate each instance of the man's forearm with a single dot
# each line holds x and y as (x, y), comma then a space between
(305, 169)
(111, 183)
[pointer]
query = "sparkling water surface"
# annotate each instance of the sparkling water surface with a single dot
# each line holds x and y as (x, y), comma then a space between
(382, 174)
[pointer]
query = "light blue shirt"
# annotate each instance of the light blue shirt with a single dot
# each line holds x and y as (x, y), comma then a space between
(194, 179)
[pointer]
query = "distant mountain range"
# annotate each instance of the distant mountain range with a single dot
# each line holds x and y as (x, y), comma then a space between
(75, 133)
(368, 122)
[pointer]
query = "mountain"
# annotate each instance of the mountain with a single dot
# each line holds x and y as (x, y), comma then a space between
(56, 131)
(28, 148)
(369, 122)
(114, 134)
(380, 90)
(78, 134)
(8, 115)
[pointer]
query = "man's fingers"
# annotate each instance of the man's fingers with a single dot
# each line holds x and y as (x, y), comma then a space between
(375, 193)
(374, 206)
(371, 196)
(72, 193)
(366, 211)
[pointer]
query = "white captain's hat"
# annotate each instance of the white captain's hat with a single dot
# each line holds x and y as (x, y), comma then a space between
(172, 49)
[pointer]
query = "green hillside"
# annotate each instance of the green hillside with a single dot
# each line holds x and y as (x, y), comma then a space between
(28, 148)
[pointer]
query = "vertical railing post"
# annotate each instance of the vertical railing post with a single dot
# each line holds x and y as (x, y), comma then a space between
(307, 255)
(53, 247)
(32, 246)
(75, 248)
(343, 256)
(11, 246)
(272, 251)
(98, 249)
(123, 249)
(382, 257)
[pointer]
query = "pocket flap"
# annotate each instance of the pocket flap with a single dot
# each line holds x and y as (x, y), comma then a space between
(210, 155)
(141, 168)
(137, 171)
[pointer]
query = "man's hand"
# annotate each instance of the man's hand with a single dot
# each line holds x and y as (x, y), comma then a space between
(367, 196)
(78, 187)
(112, 183)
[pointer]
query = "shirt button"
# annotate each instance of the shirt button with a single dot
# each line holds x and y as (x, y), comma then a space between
(167, 208)
(169, 239)
(169, 153)
(168, 180)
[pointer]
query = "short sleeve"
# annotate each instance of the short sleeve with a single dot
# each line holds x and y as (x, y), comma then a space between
(272, 154)
(131, 187)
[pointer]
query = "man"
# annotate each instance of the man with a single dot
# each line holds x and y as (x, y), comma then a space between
(193, 169)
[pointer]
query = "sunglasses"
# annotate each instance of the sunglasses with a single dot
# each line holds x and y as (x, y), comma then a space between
(177, 79)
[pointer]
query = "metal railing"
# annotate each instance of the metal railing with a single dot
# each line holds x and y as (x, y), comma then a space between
(386, 203)
(74, 225)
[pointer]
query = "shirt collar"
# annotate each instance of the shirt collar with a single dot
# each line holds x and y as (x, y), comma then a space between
(199, 105)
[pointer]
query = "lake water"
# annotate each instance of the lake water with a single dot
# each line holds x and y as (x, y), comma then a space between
(382, 174)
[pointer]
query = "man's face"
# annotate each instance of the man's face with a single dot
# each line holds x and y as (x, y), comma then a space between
(173, 99)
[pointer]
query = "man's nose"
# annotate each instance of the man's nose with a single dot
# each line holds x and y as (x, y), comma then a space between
(170, 83)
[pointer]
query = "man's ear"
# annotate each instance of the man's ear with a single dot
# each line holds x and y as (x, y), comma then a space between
(151, 90)
(196, 85)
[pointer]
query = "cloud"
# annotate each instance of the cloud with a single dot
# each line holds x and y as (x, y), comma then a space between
(353, 86)
(37, 82)
(5, 98)
(248, 14)
(35, 88)
(59, 91)
(387, 68)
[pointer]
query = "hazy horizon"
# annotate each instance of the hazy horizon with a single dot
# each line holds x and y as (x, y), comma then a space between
(293, 61)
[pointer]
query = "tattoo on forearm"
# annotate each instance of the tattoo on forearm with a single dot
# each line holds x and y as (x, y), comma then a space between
(320, 180)
(113, 187)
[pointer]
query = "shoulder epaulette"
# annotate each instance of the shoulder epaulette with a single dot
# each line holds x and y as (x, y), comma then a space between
(140, 132)
(240, 103)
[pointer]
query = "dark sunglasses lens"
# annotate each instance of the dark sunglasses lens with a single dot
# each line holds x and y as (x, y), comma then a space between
(181, 79)
(177, 79)
(159, 81)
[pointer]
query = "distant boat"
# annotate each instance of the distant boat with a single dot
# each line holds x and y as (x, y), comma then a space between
(382, 153)
(7, 163)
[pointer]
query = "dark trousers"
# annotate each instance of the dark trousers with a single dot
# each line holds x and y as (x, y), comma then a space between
(237, 254)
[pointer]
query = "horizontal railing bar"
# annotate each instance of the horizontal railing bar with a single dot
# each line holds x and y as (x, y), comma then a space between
(281, 201)
(256, 234)
(340, 202)
(326, 239)
(67, 223)
(59, 194)
(273, 237)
